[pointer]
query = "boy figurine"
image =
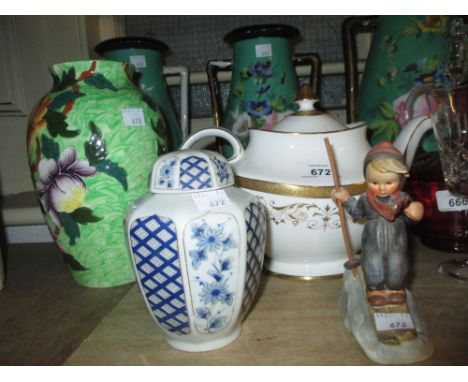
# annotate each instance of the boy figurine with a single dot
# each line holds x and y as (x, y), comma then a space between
(384, 239)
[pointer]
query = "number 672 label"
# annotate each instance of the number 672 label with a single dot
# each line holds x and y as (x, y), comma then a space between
(393, 321)
(207, 200)
(317, 171)
(447, 202)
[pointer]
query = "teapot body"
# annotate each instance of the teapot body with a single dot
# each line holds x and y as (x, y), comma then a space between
(291, 175)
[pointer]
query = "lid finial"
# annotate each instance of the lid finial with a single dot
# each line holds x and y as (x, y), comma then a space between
(306, 93)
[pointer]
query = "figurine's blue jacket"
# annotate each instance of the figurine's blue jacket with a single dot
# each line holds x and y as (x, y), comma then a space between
(384, 245)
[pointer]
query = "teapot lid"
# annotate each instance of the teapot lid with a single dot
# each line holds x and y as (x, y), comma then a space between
(308, 119)
(187, 171)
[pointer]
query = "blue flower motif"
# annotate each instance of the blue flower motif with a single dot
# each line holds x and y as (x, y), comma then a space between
(212, 323)
(258, 109)
(203, 313)
(197, 257)
(216, 292)
(211, 244)
(199, 230)
(228, 243)
(211, 239)
(221, 169)
(216, 274)
(226, 264)
(434, 77)
(166, 173)
(217, 322)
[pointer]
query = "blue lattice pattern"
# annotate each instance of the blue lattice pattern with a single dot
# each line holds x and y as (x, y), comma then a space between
(194, 173)
(155, 251)
(256, 236)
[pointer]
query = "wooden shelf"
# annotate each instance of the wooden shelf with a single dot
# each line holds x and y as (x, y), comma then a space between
(292, 323)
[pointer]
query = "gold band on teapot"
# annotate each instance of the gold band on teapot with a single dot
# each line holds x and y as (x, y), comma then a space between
(319, 192)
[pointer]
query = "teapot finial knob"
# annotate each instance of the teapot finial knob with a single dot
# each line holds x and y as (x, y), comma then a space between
(305, 100)
(306, 93)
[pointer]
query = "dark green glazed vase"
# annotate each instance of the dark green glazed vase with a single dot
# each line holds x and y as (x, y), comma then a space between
(406, 52)
(264, 83)
(146, 54)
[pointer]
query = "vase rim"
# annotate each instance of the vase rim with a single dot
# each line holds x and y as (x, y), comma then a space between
(130, 42)
(262, 30)
(90, 62)
(93, 66)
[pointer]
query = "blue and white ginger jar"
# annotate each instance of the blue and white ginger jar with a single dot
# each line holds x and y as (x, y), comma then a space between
(198, 263)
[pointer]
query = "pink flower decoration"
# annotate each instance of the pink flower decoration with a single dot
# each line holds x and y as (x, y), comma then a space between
(60, 186)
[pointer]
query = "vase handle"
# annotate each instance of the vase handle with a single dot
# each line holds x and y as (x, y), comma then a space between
(212, 69)
(218, 132)
(312, 59)
(182, 71)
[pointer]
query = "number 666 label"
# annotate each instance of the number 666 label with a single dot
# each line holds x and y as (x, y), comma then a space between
(447, 202)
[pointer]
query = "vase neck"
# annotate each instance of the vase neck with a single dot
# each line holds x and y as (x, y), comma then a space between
(108, 73)
(264, 48)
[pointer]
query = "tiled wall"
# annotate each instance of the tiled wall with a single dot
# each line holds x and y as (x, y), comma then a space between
(194, 40)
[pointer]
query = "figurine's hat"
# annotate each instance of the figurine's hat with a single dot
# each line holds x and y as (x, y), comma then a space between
(382, 150)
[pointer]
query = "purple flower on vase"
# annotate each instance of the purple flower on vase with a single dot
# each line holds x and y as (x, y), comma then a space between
(60, 185)
(261, 69)
(258, 109)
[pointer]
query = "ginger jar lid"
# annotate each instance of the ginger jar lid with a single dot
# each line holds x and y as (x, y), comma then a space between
(186, 171)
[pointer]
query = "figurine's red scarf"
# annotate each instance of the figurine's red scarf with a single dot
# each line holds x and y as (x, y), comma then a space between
(391, 209)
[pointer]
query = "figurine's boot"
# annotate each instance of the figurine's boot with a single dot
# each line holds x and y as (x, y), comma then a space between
(376, 297)
(397, 297)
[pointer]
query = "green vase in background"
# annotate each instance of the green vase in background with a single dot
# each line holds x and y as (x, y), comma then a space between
(406, 52)
(146, 55)
(264, 84)
(92, 141)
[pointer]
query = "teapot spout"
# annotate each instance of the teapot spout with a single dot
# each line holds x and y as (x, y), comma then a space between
(410, 135)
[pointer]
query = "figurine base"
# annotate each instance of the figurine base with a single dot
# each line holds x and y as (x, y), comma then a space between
(389, 347)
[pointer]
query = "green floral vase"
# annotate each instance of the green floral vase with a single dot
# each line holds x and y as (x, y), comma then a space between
(264, 83)
(92, 141)
(406, 52)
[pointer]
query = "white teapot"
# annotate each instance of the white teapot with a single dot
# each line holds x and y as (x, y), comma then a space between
(288, 168)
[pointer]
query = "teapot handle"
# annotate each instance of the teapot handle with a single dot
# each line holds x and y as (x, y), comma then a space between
(218, 132)
(408, 140)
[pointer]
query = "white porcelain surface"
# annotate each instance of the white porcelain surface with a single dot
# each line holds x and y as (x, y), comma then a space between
(318, 123)
(189, 171)
(198, 270)
(304, 236)
(297, 156)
